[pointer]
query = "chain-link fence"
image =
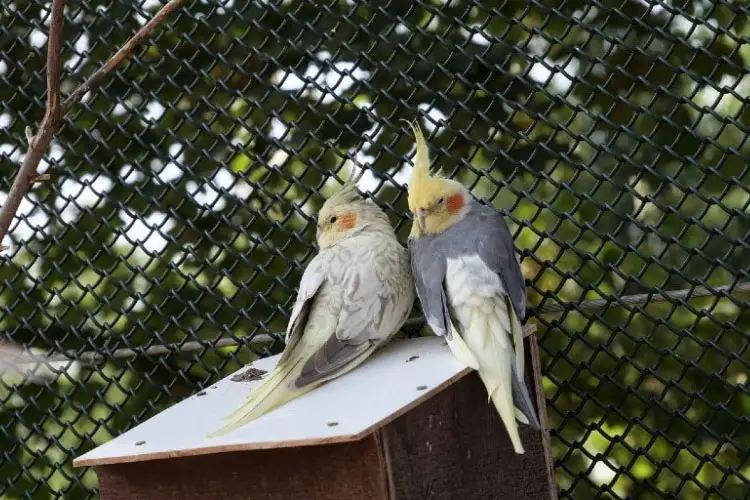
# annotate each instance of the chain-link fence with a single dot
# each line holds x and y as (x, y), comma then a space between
(180, 210)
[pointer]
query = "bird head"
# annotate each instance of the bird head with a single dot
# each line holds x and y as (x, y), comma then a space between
(347, 213)
(435, 202)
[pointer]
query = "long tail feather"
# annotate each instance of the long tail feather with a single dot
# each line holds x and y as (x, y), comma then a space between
(273, 392)
(460, 350)
(523, 401)
(495, 356)
(520, 392)
(515, 325)
(520, 416)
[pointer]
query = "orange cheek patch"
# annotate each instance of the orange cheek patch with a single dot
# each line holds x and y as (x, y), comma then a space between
(455, 203)
(347, 221)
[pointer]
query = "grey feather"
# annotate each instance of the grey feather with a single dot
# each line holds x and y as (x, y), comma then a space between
(495, 247)
(521, 397)
(331, 358)
(428, 270)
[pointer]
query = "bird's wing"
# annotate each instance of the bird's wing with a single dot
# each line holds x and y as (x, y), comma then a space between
(312, 279)
(428, 270)
(372, 311)
(494, 244)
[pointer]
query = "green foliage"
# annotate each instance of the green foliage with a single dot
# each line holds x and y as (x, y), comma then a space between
(626, 176)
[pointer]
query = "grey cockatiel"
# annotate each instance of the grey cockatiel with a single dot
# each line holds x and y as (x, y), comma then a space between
(469, 281)
(353, 297)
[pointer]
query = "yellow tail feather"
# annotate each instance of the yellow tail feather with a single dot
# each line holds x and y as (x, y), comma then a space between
(460, 350)
(494, 352)
(520, 416)
(273, 392)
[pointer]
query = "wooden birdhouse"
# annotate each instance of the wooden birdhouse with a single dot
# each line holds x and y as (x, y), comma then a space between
(410, 423)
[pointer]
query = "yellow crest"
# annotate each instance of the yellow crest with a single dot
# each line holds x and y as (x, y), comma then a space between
(422, 158)
(423, 182)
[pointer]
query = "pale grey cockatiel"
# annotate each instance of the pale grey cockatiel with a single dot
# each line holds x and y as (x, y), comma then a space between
(353, 297)
(470, 285)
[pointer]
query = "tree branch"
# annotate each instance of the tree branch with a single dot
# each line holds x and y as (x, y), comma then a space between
(96, 78)
(54, 52)
(39, 142)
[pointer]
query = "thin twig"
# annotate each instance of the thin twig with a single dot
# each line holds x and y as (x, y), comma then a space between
(96, 78)
(39, 142)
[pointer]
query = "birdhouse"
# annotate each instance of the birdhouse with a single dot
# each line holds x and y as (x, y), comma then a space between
(410, 423)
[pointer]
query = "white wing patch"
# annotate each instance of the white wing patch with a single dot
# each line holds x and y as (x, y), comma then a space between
(470, 282)
(476, 292)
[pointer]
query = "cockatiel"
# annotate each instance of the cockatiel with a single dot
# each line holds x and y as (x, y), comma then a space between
(354, 296)
(469, 281)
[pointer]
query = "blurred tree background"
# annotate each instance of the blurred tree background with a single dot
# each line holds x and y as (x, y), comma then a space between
(181, 208)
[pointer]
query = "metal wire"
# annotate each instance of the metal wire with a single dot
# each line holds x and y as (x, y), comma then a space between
(165, 250)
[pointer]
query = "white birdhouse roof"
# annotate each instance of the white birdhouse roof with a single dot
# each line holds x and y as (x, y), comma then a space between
(399, 377)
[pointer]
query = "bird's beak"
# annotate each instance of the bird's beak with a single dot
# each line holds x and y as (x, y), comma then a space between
(317, 233)
(421, 219)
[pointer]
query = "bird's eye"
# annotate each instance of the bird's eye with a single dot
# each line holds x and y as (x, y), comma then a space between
(441, 201)
(333, 219)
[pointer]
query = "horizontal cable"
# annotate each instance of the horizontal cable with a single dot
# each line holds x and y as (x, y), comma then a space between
(156, 350)
(587, 305)
(647, 298)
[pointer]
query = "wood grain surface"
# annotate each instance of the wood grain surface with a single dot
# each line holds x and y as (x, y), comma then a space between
(350, 471)
(455, 446)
